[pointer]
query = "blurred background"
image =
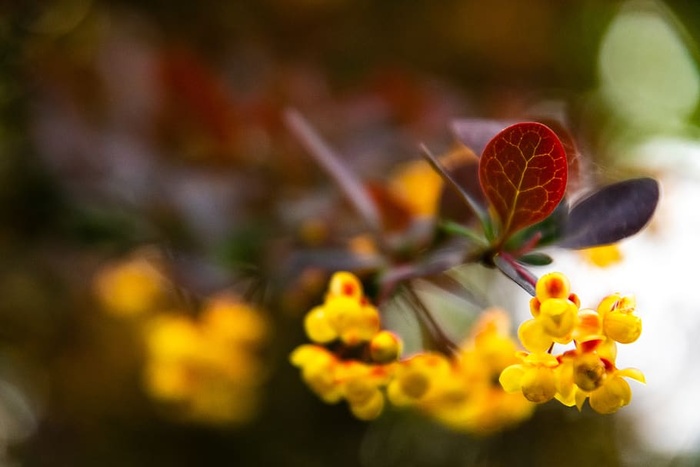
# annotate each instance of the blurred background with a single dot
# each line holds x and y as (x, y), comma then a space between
(147, 178)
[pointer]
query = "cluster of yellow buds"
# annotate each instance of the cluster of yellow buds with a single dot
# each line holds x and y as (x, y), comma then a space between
(364, 368)
(203, 364)
(207, 368)
(586, 371)
(362, 365)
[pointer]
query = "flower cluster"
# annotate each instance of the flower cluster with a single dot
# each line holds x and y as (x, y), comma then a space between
(587, 371)
(349, 322)
(202, 363)
(352, 359)
(462, 390)
(207, 368)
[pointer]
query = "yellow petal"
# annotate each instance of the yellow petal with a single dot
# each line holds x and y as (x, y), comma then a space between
(385, 347)
(345, 284)
(539, 384)
(552, 285)
(370, 408)
(633, 373)
(615, 393)
(580, 397)
(589, 327)
(318, 327)
(624, 328)
(558, 316)
(533, 336)
(511, 378)
(608, 303)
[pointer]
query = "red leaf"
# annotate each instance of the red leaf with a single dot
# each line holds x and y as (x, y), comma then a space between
(523, 173)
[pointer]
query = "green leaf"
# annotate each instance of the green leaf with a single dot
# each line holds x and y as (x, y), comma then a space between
(536, 259)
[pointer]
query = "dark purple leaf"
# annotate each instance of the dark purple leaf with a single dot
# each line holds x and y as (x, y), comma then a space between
(611, 214)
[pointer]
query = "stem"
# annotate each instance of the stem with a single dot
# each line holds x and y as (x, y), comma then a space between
(323, 154)
(529, 245)
(441, 341)
(516, 272)
(473, 204)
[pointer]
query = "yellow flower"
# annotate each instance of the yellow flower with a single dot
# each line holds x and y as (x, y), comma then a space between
(474, 401)
(602, 256)
(227, 318)
(345, 284)
(385, 347)
(589, 327)
(555, 314)
(334, 380)
(130, 287)
(361, 387)
(552, 285)
(620, 323)
(418, 378)
(352, 324)
(588, 370)
(318, 327)
(418, 187)
(535, 377)
(593, 375)
(345, 314)
(207, 366)
(353, 321)
(558, 317)
(615, 392)
(555, 322)
(318, 371)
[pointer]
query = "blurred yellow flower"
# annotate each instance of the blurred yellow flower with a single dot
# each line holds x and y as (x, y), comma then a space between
(345, 314)
(418, 187)
(207, 369)
(419, 379)
(333, 380)
(385, 347)
(477, 403)
(131, 286)
(602, 256)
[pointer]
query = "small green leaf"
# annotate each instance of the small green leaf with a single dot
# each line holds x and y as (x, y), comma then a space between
(536, 259)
